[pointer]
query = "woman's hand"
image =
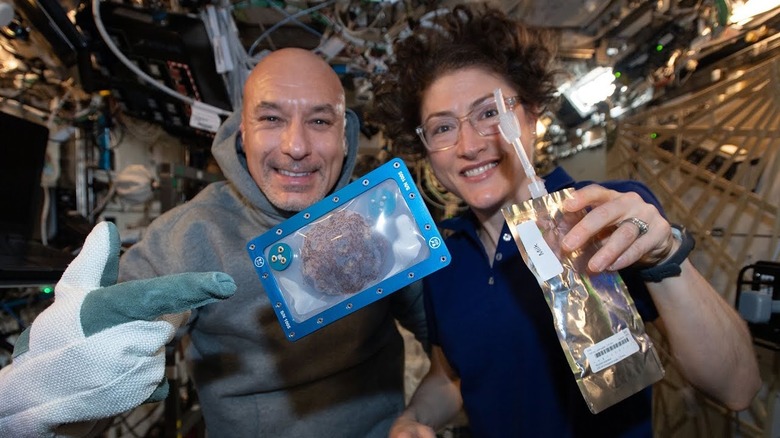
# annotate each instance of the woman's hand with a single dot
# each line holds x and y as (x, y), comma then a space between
(408, 428)
(609, 219)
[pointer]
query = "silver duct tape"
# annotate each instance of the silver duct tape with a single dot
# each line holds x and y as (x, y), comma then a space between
(599, 328)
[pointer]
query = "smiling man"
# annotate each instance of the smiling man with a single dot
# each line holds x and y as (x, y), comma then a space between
(293, 143)
(293, 133)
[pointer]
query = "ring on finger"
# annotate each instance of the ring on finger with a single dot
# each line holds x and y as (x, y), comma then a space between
(641, 225)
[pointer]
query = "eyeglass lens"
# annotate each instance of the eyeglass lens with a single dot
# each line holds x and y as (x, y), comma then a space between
(442, 131)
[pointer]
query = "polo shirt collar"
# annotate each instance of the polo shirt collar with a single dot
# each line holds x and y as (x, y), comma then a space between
(556, 180)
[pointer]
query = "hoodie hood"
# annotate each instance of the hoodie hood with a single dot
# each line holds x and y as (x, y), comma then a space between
(228, 150)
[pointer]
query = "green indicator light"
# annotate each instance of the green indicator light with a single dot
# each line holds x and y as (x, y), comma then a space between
(618, 74)
(659, 47)
(47, 289)
(654, 135)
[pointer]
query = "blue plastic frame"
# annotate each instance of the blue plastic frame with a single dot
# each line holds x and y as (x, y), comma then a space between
(438, 258)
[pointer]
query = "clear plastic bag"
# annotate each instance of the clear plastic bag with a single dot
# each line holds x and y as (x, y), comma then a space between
(363, 242)
(358, 245)
(599, 328)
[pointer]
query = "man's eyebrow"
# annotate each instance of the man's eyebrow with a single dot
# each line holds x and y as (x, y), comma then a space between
(324, 108)
(265, 105)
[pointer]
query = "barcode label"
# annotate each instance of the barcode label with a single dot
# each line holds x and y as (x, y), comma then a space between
(611, 350)
(544, 260)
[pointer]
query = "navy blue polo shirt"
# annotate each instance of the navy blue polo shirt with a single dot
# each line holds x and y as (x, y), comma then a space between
(497, 333)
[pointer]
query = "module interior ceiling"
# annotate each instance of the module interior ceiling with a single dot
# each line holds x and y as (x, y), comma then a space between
(581, 22)
(623, 34)
(590, 26)
(592, 32)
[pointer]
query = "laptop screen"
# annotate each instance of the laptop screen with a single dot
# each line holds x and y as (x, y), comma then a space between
(22, 154)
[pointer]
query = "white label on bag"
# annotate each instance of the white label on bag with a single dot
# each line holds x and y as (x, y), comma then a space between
(611, 350)
(544, 260)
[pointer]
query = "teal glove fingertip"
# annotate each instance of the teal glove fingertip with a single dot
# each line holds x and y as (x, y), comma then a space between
(147, 299)
(160, 393)
(111, 269)
(22, 344)
(227, 286)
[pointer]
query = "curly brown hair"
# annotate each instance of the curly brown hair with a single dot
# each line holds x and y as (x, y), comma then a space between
(471, 35)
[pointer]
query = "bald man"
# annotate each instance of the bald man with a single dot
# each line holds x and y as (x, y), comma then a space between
(292, 143)
(292, 128)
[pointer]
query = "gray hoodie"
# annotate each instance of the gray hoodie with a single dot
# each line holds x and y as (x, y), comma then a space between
(345, 380)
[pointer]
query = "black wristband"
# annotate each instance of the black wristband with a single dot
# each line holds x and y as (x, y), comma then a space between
(671, 266)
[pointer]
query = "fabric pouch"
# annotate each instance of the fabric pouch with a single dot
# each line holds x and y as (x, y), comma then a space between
(358, 245)
(595, 318)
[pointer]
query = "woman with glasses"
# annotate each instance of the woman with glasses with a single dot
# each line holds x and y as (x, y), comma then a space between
(495, 352)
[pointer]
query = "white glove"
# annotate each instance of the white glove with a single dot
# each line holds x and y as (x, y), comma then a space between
(99, 349)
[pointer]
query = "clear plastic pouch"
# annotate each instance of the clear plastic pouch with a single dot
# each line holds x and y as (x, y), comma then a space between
(601, 333)
(362, 243)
